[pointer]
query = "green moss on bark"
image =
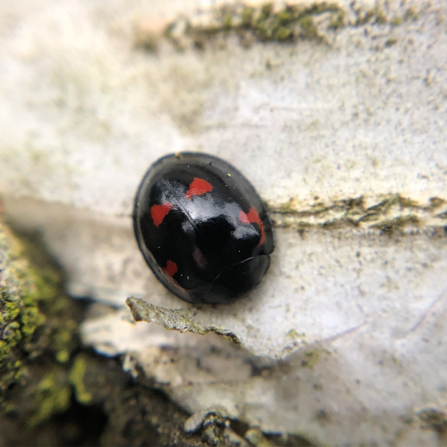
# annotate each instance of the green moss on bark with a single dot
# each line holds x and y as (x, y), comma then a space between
(52, 395)
(36, 332)
(77, 374)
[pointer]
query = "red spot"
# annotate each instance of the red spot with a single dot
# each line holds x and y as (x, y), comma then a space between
(198, 187)
(243, 217)
(171, 268)
(253, 217)
(158, 212)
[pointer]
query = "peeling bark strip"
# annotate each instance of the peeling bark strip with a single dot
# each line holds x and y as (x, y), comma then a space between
(172, 319)
(268, 22)
(389, 214)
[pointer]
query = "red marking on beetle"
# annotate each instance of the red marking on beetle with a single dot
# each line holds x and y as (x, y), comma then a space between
(243, 217)
(158, 212)
(198, 187)
(253, 217)
(170, 269)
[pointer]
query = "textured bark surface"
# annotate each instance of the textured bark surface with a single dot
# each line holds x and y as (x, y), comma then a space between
(336, 112)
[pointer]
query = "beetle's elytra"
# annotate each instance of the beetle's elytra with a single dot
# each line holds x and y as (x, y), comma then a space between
(202, 228)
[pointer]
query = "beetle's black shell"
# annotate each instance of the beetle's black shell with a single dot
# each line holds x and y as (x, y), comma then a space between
(202, 228)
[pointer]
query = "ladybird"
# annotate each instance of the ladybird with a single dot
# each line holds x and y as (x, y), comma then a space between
(202, 228)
